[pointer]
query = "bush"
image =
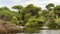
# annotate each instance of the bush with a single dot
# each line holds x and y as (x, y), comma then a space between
(52, 25)
(14, 20)
(32, 22)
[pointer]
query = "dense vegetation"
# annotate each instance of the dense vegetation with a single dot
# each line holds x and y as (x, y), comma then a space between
(32, 16)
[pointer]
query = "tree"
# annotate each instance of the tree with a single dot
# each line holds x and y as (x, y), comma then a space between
(34, 10)
(20, 11)
(57, 10)
(5, 13)
(45, 13)
(41, 20)
(32, 22)
(18, 7)
(50, 6)
(4, 8)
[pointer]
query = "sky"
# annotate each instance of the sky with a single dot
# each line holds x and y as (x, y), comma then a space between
(40, 3)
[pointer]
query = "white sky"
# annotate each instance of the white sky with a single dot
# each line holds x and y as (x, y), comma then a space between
(41, 3)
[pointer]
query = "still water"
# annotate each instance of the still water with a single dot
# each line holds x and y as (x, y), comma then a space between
(45, 32)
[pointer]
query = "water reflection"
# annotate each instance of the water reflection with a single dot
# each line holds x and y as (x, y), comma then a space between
(37, 30)
(32, 30)
(45, 32)
(50, 31)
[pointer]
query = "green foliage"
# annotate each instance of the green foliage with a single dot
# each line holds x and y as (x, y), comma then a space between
(14, 20)
(34, 10)
(57, 21)
(5, 14)
(18, 7)
(49, 6)
(32, 16)
(41, 19)
(57, 10)
(4, 8)
(52, 25)
(32, 22)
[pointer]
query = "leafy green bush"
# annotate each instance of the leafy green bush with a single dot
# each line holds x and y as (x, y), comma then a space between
(52, 25)
(32, 22)
(14, 20)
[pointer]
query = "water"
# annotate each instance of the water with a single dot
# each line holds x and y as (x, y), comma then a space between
(45, 32)
(37, 30)
(50, 32)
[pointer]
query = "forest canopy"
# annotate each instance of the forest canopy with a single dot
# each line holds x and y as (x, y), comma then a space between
(32, 16)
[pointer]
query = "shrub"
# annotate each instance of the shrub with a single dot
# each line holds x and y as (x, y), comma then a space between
(52, 25)
(14, 20)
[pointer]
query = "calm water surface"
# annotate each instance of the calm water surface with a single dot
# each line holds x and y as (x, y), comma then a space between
(45, 32)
